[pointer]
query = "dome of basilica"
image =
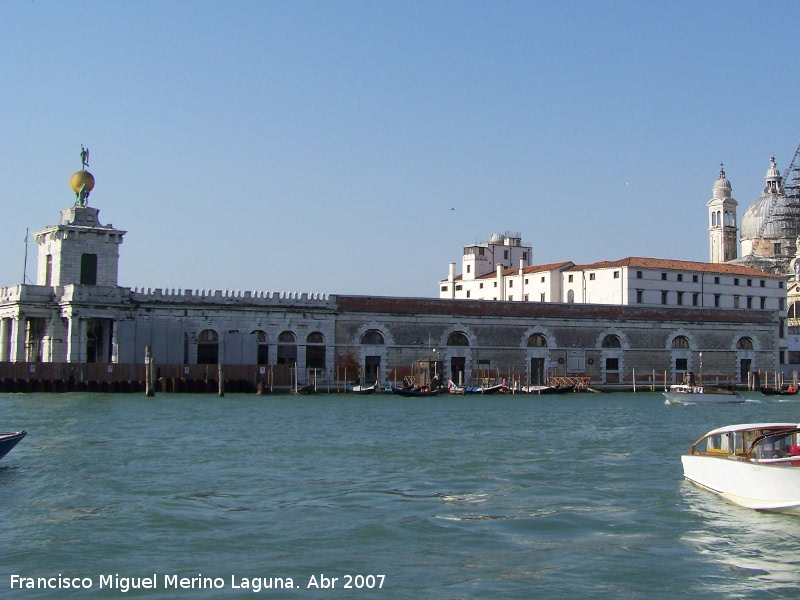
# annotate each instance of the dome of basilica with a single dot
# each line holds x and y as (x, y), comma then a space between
(774, 215)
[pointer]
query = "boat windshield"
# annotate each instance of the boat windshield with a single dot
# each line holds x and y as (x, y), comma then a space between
(781, 444)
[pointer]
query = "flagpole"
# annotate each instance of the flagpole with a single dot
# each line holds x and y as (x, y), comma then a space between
(25, 264)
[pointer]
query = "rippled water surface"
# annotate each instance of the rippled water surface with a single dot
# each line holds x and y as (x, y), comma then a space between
(454, 497)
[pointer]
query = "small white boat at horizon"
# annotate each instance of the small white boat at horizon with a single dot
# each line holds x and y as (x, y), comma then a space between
(754, 465)
(697, 394)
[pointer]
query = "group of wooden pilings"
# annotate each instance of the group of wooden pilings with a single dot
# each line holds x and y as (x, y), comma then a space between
(149, 378)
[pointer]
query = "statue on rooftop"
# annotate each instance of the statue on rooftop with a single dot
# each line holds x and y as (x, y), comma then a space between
(84, 157)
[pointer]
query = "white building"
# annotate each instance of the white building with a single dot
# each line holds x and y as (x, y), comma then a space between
(629, 281)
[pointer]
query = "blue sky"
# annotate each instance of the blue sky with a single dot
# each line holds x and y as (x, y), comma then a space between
(320, 146)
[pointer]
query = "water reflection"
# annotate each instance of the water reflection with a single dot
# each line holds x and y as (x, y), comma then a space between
(760, 549)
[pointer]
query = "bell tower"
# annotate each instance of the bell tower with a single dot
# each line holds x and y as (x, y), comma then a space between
(722, 227)
(79, 250)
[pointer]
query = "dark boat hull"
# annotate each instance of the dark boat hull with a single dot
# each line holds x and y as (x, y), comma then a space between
(415, 392)
(9, 440)
(777, 392)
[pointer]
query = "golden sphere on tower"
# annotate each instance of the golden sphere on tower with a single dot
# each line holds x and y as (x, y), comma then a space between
(81, 178)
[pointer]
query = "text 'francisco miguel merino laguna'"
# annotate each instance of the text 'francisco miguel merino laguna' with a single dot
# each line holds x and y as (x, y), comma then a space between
(200, 582)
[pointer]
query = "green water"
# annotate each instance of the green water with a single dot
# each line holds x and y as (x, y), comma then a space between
(449, 497)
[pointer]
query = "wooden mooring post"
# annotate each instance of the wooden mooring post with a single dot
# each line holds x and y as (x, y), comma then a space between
(149, 389)
(221, 378)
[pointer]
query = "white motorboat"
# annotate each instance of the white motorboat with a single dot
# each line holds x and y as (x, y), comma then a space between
(697, 394)
(754, 465)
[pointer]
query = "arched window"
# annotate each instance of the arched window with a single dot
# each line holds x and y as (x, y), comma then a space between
(794, 310)
(457, 339)
(262, 353)
(373, 337)
(744, 343)
(680, 343)
(315, 337)
(571, 296)
(537, 340)
(287, 348)
(611, 341)
(315, 350)
(208, 347)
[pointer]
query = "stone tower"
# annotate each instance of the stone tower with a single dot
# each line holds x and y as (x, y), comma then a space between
(722, 226)
(79, 250)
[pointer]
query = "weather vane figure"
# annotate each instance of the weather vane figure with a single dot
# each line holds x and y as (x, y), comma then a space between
(84, 157)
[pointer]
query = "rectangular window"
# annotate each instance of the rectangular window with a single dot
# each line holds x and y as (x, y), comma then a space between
(510, 283)
(569, 278)
(526, 281)
(88, 269)
(716, 300)
(526, 297)
(763, 283)
(616, 274)
(480, 251)
(480, 285)
(694, 278)
(542, 279)
(542, 298)
(505, 254)
(736, 302)
(681, 364)
(495, 284)
(735, 281)
(680, 276)
(763, 303)
(468, 268)
(525, 256)
(716, 280)
(780, 285)
(663, 297)
(749, 302)
(776, 248)
(749, 282)
(458, 287)
(444, 288)
(510, 298)
(780, 303)
(695, 299)
(680, 298)
(48, 270)
(591, 276)
(639, 296)
(638, 274)
(612, 364)
(794, 357)
(468, 294)
(663, 277)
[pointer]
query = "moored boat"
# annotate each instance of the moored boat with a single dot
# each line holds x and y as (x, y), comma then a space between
(365, 389)
(779, 391)
(548, 389)
(753, 465)
(697, 394)
(9, 440)
(433, 389)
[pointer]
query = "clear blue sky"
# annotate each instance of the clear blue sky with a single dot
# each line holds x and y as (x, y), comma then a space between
(320, 146)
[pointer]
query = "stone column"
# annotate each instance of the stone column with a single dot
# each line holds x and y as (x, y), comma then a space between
(114, 341)
(76, 334)
(4, 323)
(18, 339)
